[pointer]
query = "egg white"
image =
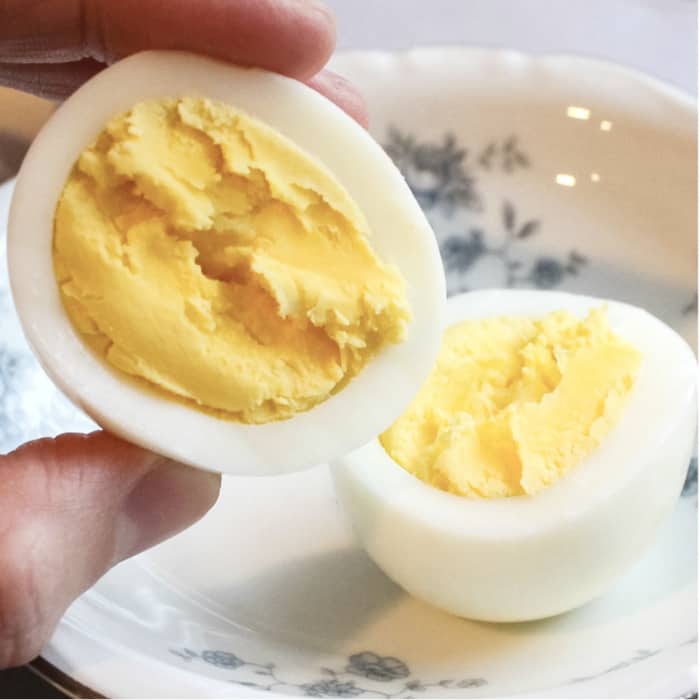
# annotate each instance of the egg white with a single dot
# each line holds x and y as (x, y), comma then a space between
(530, 557)
(400, 234)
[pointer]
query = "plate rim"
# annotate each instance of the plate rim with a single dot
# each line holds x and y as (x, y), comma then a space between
(195, 685)
(670, 90)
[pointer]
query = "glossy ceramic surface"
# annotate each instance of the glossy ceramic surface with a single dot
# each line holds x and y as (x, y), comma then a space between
(551, 172)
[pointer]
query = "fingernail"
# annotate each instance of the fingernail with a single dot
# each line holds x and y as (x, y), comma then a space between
(319, 8)
(165, 501)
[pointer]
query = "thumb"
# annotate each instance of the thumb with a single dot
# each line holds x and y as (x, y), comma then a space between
(72, 507)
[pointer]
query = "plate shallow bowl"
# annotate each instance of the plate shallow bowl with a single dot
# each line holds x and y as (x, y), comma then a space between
(546, 172)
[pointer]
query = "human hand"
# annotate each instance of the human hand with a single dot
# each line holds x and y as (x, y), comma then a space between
(73, 506)
(50, 47)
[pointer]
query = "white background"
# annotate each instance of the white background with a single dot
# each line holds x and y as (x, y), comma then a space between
(656, 36)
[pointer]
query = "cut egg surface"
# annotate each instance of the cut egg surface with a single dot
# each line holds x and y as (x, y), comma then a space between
(525, 557)
(218, 264)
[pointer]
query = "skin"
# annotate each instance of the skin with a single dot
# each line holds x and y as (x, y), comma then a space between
(73, 506)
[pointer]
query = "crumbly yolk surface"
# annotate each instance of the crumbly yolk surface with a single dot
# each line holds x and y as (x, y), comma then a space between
(513, 403)
(201, 251)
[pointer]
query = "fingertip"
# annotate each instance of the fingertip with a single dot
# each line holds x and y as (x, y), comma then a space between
(168, 499)
(71, 507)
(311, 40)
(343, 93)
(293, 37)
(134, 498)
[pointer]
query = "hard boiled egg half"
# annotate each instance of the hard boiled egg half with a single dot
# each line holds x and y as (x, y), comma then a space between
(363, 179)
(529, 557)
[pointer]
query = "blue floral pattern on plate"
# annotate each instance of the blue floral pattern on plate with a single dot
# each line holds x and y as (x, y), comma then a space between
(376, 672)
(445, 182)
(372, 668)
(30, 405)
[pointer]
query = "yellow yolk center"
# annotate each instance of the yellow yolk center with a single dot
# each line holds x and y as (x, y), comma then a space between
(513, 403)
(201, 251)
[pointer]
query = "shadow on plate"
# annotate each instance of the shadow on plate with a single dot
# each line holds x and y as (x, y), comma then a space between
(322, 601)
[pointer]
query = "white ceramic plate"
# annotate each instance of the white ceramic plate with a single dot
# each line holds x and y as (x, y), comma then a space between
(549, 172)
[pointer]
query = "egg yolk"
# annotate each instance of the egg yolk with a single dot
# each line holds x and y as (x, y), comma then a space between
(514, 403)
(201, 251)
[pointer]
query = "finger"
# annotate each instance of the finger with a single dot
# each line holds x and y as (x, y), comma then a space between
(343, 93)
(58, 80)
(52, 81)
(294, 37)
(72, 507)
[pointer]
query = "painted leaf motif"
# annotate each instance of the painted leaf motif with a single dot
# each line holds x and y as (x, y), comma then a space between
(529, 228)
(522, 160)
(508, 216)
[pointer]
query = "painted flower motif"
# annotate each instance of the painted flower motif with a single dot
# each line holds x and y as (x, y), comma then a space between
(506, 154)
(444, 178)
(692, 306)
(13, 375)
(436, 172)
(12, 366)
(377, 668)
(222, 659)
(460, 253)
(547, 273)
(415, 686)
(7, 365)
(690, 487)
(367, 664)
(331, 688)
